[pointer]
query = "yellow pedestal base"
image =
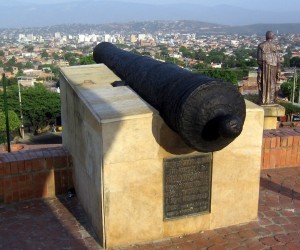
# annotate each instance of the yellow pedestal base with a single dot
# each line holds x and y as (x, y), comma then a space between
(272, 112)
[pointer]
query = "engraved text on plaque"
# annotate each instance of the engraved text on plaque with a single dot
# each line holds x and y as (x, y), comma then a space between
(187, 185)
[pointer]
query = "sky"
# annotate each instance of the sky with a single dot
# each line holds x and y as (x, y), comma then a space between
(252, 4)
(22, 13)
(274, 5)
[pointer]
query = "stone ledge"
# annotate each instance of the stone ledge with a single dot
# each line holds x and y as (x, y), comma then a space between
(273, 110)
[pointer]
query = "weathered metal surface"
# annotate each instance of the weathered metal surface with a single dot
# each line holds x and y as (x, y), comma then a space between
(207, 113)
(187, 185)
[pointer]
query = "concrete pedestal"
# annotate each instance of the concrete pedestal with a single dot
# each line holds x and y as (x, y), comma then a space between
(271, 113)
(119, 143)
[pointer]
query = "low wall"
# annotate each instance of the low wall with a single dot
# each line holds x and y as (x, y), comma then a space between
(281, 148)
(37, 173)
(47, 172)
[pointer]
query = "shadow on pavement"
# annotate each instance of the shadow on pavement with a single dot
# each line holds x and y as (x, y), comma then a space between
(279, 188)
(45, 224)
(45, 138)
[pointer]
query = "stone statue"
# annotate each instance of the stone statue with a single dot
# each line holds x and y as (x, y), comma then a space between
(269, 70)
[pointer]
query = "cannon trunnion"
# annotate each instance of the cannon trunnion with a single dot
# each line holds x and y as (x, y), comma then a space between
(207, 113)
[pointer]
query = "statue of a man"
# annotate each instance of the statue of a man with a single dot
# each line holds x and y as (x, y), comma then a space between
(269, 70)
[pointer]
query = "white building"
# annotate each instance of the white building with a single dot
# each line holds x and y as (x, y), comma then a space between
(216, 65)
(141, 37)
(30, 37)
(234, 43)
(107, 38)
(57, 35)
(26, 81)
(22, 36)
(133, 38)
(81, 38)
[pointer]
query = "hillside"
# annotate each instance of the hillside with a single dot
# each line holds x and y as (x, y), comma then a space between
(164, 27)
(282, 28)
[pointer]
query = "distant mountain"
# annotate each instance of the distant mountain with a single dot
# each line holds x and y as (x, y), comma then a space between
(282, 28)
(164, 27)
(99, 12)
(160, 26)
(188, 26)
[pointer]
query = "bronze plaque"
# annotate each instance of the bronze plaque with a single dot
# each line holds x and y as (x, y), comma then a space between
(187, 185)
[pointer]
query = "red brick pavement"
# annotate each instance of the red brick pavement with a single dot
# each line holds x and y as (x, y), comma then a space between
(54, 223)
(278, 225)
(62, 224)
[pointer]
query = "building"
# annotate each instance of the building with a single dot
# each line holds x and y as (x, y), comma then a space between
(133, 38)
(249, 86)
(26, 81)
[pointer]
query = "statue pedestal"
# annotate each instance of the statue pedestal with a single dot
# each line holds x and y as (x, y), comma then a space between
(135, 177)
(271, 113)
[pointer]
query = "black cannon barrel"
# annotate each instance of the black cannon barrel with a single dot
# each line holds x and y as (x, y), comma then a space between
(207, 113)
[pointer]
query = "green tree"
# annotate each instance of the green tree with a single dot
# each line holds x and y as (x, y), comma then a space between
(290, 108)
(28, 48)
(230, 61)
(12, 81)
(200, 55)
(186, 52)
(245, 57)
(287, 89)
(14, 123)
(174, 61)
(85, 60)
(66, 48)
(54, 69)
(146, 53)
(8, 69)
(252, 98)
(8, 66)
(119, 45)
(29, 65)
(287, 59)
(71, 58)
(44, 54)
(86, 49)
(163, 51)
(216, 56)
(199, 66)
(55, 56)
(295, 62)
(222, 74)
(13, 119)
(40, 106)
(12, 99)
(19, 65)
(11, 62)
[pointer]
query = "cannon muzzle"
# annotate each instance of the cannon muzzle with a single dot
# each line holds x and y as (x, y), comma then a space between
(207, 113)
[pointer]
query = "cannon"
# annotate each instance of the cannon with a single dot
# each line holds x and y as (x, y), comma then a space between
(207, 113)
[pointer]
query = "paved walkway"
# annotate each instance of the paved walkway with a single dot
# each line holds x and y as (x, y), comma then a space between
(278, 226)
(58, 223)
(62, 224)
